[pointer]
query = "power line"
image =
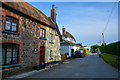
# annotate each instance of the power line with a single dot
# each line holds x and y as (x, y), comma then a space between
(114, 5)
(109, 18)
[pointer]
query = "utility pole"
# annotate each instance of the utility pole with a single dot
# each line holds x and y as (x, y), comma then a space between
(103, 37)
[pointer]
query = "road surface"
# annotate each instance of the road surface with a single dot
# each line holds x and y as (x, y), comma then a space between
(89, 67)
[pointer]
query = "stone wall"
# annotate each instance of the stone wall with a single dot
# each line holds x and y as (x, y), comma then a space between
(29, 38)
(55, 46)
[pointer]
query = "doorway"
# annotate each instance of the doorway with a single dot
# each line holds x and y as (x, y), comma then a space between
(42, 54)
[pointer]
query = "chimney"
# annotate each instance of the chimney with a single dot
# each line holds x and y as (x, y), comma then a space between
(81, 44)
(63, 31)
(53, 14)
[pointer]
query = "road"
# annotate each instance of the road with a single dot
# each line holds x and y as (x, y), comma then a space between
(89, 67)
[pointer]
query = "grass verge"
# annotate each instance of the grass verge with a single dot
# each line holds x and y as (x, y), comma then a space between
(112, 60)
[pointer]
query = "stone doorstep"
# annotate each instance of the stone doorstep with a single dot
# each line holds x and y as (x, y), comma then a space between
(25, 74)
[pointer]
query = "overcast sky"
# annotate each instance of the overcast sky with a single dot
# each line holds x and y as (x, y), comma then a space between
(84, 20)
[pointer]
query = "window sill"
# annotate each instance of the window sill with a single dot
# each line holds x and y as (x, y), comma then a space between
(9, 66)
(51, 58)
(43, 38)
(51, 42)
(9, 32)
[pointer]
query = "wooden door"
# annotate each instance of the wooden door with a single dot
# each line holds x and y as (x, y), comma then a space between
(42, 54)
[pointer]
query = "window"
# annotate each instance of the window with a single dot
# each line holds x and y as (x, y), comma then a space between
(51, 58)
(10, 54)
(50, 53)
(11, 24)
(42, 33)
(51, 37)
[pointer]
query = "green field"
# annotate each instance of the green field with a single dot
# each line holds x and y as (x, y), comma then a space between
(112, 60)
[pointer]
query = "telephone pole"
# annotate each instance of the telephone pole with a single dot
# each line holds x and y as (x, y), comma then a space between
(103, 37)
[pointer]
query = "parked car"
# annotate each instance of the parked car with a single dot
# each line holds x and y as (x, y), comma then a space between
(79, 53)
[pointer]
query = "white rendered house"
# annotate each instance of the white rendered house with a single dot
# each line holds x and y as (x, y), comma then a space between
(68, 45)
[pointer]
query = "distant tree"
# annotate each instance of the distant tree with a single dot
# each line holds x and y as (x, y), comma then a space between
(93, 47)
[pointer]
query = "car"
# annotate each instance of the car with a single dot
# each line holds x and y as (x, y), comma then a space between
(79, 54)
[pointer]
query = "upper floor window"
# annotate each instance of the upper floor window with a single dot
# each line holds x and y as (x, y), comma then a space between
(10, 54)
(11, 24)
(51, 37)
(42, 33)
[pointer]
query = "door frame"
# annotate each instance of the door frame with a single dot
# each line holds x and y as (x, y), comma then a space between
(40, 55)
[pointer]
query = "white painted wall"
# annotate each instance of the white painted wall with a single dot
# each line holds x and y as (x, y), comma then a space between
(76, 48)
(66, 49)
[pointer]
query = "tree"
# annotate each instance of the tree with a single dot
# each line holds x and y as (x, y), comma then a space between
(93, 47)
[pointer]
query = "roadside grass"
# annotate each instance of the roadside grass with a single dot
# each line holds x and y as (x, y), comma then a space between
(112, 60)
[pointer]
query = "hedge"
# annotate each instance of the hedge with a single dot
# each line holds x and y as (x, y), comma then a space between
(113, 48)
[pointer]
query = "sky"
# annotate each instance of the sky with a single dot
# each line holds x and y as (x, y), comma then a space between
(85, 20)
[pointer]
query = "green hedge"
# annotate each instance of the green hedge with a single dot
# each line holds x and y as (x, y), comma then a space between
(113, 48)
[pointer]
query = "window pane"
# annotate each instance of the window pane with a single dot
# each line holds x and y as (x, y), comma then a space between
(7, 26)
(14, 60)
(14, 27)
(44, 33)
(9, 48)
(3, 61)
(3, 52)
(51, 37)
(50, 53)
(9, 54)
(15, 48)
(8, 60)
(15, 54)
(40, 32)
(3, 55)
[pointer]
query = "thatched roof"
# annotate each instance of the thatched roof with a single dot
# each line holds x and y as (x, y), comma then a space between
(27, 9)
(69, 35)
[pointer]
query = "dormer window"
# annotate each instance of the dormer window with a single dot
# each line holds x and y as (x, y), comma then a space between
(11, 24)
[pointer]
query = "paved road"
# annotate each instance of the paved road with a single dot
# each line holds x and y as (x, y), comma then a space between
(89, 67)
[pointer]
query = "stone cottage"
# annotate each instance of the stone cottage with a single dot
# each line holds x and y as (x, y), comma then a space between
(53, 36)
(24, 37)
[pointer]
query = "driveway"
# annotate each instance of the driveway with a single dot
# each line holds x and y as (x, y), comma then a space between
(89, 67)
